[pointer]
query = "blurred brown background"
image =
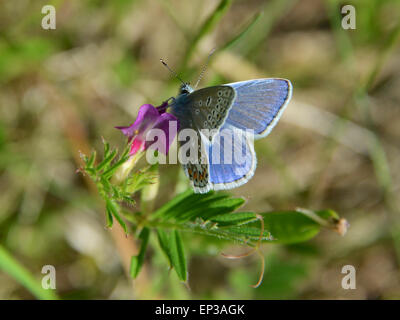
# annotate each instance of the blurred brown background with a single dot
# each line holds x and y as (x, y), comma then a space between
(336, 146)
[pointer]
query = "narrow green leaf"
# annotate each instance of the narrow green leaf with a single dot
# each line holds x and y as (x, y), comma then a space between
(90, 171)
(113, 208)
(224, 205)
(109, 218)
(106, 148)
(189, 206)
(111, 170)
(282, 227)
(242, 33)
(172, 203)
(141, 179)
(163, 240)
(231, 219)
(121, 221)
(91, 160)
(137, 261)
(212, 215)
(290, 226)
(207, 27)
(248, 235)
(327, 214)
(207, 207)
(12, 267)
(106, 184)
(250, 232)
(273, 11)
(178, 255)
(213, 19)
(106, 161)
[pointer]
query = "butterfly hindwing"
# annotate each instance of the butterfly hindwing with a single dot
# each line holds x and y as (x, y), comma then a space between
(209, 107)
(197, 167)
(232, 160)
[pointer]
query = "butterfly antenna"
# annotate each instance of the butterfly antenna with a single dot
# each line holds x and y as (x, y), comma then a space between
(172, 71)
(204, 68)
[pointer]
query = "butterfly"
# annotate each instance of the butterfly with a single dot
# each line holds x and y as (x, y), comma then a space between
(252, 105)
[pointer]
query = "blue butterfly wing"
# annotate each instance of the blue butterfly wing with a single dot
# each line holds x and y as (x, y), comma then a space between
(259, 104)
(231, 157)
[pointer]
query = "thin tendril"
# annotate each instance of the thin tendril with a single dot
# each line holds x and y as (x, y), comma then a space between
(240, 256)
(250, 252)
(260, 279)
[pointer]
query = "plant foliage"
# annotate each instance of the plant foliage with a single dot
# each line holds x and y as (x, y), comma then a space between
(214, 214)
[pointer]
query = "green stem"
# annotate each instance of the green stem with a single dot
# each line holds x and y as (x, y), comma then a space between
(11, 266)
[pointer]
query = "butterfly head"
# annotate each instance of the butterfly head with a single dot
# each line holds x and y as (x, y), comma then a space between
(185, 89)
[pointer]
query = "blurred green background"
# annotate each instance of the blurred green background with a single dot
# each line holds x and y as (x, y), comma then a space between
(336, 146)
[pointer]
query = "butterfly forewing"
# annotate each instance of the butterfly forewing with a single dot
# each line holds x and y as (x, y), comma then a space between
(209, 107)
(259, 104)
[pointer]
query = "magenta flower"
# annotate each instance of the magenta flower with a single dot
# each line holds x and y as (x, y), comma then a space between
(149, 118)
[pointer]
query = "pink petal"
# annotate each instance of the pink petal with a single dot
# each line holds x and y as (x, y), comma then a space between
(147, 116)
(137, 145)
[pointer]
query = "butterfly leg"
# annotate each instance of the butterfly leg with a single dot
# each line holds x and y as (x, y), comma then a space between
(170, 99)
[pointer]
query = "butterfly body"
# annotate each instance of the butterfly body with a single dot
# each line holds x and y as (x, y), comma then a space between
(180, 111)
(232, 115)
